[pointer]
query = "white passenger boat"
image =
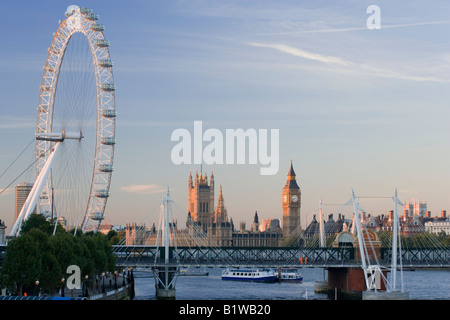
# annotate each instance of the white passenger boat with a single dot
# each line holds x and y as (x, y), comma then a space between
(187, 271)
(253, 274)
(289, 275)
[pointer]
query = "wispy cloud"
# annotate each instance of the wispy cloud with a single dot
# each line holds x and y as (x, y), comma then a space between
(363, 28)
(302, 53)
(350, 66)
(16, 123)
(417, 24)
(143, 189)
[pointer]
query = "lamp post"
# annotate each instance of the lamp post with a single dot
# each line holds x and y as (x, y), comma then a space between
(37, 287)
(103, 282)
(62, 287)
(86, 285)
(123, 277)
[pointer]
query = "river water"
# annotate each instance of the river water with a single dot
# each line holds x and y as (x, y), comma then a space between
(421, 285)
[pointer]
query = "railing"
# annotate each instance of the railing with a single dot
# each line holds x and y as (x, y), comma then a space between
(276, 256)
(227, 256)
(420, 257)
(264, 256)
(148, 256)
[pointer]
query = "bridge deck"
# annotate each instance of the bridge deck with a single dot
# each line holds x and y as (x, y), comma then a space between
(150, 256)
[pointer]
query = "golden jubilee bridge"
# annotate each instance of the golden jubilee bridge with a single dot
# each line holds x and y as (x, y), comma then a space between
(147, 256)
(193, 247)
(360, 249)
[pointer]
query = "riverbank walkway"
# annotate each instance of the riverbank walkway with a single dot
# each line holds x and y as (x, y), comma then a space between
(106, 288)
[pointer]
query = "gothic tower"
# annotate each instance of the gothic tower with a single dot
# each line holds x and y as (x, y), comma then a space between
(291, 205)
(220, 214)
(201, 199)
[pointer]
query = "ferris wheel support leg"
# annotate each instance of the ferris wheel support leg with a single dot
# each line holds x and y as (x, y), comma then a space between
(35, 192)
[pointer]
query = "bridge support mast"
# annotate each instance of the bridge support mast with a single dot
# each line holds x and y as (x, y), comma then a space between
(165, 274)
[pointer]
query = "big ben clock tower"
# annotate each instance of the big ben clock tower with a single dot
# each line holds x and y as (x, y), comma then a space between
(291, 205)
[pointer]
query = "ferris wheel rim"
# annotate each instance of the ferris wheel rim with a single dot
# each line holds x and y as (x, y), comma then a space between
(81, 20)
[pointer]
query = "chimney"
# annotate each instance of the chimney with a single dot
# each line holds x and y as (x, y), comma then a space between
(443, 214)
(428, 214)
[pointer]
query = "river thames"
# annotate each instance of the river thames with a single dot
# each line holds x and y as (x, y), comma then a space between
(421, 285)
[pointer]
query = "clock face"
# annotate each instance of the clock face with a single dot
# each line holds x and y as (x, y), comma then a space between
(294, 198)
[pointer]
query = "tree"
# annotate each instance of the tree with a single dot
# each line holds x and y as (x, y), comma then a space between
(101, 251)
(22, 264)
(50, 271)
(38, 221)
(37, 254)
(64, 250)
(83, 256)
(113, 237)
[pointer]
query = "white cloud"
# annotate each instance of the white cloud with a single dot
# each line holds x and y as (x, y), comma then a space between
(349, 65)
(364, 28)
(16, 123)
(302, 53)
(143, 189)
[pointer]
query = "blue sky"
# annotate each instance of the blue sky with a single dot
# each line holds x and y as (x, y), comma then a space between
(355, 107)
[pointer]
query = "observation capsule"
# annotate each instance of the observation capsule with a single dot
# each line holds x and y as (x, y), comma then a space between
(91, 16)
(106, 63)
(108, 87)
(108, 113)
(101, 43)
(97, 27)
(86, 10)
(46, 213)
(105, 167)
(102, 193)
(97, 216)
(108, 141)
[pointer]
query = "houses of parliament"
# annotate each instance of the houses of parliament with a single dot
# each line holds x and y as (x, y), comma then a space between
(220, 229)
(212, 222)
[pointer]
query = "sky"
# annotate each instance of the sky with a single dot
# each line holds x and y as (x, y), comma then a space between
(355, 107)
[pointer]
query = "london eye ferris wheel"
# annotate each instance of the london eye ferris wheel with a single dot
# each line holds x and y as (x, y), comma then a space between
(75, 128)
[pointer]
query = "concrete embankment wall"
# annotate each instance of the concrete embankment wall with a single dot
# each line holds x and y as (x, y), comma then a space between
(122, 293)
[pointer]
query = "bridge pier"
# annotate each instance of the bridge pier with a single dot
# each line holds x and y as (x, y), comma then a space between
(165, 279)
(349, 283)
(166, 274)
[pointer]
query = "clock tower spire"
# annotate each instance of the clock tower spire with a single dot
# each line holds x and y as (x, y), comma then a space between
(291, 205)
